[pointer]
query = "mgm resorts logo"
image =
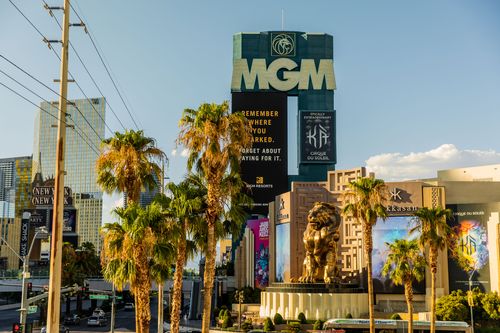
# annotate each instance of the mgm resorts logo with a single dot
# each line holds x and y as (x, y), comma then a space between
(282, 44)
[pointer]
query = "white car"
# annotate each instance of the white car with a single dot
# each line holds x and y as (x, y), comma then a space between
(97, 321)
(129, 306)
(98, 313)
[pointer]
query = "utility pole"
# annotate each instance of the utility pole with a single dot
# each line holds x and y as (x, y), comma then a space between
(113, 310)
(160, 285)
(54, 305)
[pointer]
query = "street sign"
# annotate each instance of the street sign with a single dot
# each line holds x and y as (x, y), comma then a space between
(118, 297)
(32, 309)
(99, 297)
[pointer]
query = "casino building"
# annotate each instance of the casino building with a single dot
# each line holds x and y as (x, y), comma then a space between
(472, 193)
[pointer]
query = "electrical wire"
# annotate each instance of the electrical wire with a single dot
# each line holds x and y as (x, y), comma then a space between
(50, 114)
(105, 67)
(55, 92)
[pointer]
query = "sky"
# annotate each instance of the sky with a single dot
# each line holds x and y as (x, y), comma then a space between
(418, 82)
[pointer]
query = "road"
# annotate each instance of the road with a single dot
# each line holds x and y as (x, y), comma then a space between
(124, 320)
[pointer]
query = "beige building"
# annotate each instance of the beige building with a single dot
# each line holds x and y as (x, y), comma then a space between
(288, 219)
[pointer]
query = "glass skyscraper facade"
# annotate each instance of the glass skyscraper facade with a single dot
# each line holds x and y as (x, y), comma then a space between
(84, 132)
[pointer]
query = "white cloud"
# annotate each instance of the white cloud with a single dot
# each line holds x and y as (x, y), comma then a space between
(396, 166)
(110, 202)
(174, 152)
(185, 152)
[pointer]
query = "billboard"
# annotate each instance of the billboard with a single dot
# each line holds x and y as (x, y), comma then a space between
(25, 225)
(473, 225)
(264, 167)
(388, 231)
(282, 252)
(260, 229)
(317, 136)
(69, 218)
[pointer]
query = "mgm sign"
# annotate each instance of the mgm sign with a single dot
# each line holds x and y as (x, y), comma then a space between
(268, 67)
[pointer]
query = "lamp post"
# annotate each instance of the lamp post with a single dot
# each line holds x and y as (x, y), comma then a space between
(26, 275)
(239, 295)
(470, 300)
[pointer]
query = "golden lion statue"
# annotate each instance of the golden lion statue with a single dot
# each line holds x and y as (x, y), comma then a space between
(320, 241)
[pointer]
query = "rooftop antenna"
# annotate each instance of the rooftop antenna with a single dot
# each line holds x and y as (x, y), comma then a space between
(282, 19)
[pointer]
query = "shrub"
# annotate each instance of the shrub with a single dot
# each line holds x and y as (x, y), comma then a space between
(227, 321)
(302, 318)
(491, 305)
(294, 326)
(348, 316)
(278, 319)
(268, 325)
(247, 325)
(452, 307)
(318, 325)
(396, 316)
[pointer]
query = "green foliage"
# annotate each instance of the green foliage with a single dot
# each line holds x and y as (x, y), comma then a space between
(302, 318)
(294, 326)
(395, 316)
(278, 319)
(247, 325)
(268, 325)
(452, 307)
(491, 305)
(348, 316)
(250, 295)
(318, 325)
(227, 321)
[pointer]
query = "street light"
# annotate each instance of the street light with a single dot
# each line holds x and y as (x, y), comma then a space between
(26, 275)
(470, 300)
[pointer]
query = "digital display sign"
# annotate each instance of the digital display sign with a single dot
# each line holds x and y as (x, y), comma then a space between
(317, 136)
(264, 167)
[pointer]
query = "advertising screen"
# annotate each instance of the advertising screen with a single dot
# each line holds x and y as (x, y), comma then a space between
(473, 225)
(69, 220)
(283, 252)
(264, 167)
(260, 229)
(388, 231)
(317, 136)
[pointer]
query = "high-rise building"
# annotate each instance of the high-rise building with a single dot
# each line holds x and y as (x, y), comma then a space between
(15, 193)
(85, 130)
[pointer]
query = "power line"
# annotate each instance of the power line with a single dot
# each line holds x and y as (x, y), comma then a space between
(55, 92)
(58, 57)
(47, 112)
(88, 72)
(106, 67)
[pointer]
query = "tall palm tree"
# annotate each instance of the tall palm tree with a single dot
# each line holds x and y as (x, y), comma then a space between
(405, 264)
(365, 201)
(215, 139)
(129, 162)
(128, 248)
(185, 204)
(435, 235)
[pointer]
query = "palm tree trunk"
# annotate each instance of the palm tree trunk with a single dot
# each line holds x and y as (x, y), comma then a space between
(160, 306)
(208, 277)
(368, 242)
(433, 260)
(177, 291)
(409, 302)
(136, 303)
(143, 288)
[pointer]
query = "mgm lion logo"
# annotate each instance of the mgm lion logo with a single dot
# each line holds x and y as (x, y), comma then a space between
(283, 45)
(320, 242)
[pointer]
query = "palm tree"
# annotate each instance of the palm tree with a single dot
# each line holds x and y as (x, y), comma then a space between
(128, 248)
(405, 264)
(185, 204)
(128, 163)
(435, 235)
(364, 201)
(215, 139)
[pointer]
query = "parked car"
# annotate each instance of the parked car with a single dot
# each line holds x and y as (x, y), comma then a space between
(97, 321)
(98, 313)
(72, 320)
(129, 306)
(62, 329)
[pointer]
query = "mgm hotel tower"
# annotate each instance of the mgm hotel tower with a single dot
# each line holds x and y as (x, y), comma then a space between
(84, 133)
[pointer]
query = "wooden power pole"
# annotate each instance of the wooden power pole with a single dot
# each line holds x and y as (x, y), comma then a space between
(54, 305)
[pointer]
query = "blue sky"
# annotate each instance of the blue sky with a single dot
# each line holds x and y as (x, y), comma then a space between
(418, 83)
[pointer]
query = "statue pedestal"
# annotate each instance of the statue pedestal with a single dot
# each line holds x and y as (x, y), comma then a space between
(315, 300)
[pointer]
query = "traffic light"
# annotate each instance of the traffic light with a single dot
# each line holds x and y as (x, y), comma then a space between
(17, 328)
(30, 288)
